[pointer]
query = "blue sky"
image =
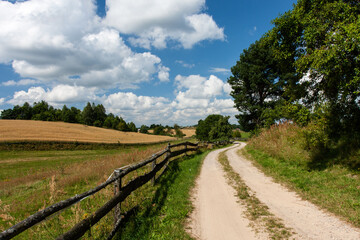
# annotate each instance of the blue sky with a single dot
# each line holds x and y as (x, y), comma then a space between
(159, 61)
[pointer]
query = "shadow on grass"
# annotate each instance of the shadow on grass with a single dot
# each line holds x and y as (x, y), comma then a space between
(345, 154)
(142, 222)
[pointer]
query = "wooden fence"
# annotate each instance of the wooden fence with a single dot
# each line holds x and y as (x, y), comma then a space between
(120, 194)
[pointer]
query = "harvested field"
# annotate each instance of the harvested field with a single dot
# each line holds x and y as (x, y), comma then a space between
(20, 130)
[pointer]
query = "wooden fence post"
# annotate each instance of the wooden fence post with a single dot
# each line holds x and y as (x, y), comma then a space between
(186, 149)
(168, 153)
(153, 165)
(117, 189)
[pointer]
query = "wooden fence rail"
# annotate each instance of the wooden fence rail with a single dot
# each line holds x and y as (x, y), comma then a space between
(120, 194)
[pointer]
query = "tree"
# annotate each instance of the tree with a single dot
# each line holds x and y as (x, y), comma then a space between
(178, 132)
(256, 84)
(88, 115)
(132, 127)
(99, 114)
(323, 42)
(214, 127)
(221, 131)
(159, 130)
(144, 129)
(122, 126)
(26, 112)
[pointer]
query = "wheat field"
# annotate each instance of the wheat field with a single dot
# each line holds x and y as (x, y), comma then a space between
(20, 130)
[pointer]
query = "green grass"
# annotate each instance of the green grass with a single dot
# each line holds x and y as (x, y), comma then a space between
(164, 214)
(335, 188)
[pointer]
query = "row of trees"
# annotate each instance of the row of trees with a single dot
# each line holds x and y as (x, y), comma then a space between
(91, 115)
(306, 69)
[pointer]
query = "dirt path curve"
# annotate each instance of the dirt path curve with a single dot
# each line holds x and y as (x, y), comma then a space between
(217, 214)
(307, 220)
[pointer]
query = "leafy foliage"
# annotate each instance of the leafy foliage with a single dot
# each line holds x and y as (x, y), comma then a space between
(255, 83)
(312, 58)
(214, 128)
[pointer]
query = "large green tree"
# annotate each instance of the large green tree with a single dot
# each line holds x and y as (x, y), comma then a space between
(322, 39)
(256, 84)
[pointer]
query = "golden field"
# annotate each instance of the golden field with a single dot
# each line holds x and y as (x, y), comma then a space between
(19, 130)
(188, 131)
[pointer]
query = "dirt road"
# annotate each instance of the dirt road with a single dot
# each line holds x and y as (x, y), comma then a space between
(219, 215)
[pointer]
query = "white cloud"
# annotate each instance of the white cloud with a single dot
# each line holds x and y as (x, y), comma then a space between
(220, 70)
(196, 98)
(59, 95)
(22, 82)
(184, 64)
(163, 74)
(199, 87)
(65, 41)
(253, 31)
(140, 109)
(154, 23)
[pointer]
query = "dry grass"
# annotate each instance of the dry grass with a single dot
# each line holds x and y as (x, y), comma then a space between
(19, 130)
(25, 195)
(188, 131)
(286, 142)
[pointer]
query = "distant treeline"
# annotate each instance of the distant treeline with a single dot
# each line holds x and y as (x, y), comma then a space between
(91, 115)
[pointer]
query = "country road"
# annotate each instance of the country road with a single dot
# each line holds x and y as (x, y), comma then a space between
(218, 214)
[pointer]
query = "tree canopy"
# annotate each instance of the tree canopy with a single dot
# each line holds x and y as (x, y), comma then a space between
(255, 83)
(214, 128)
(315, 63)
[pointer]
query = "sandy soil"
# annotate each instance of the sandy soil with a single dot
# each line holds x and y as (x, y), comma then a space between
(217, 214)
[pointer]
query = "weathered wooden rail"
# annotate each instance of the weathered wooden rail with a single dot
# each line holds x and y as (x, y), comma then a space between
(120, 194)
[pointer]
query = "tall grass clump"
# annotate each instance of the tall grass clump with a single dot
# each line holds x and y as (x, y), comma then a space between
(284, 141)
(309, 163)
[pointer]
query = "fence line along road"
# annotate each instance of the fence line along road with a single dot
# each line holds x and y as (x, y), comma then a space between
(120, 194)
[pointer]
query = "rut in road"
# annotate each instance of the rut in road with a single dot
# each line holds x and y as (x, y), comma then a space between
(218, 215)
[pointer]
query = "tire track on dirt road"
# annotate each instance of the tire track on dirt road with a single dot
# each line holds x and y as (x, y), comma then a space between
(219, 215)
(306, 219)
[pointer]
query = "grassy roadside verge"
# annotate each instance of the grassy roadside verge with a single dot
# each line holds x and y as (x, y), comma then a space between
(257, 212)
(163, 214)
(336, 188)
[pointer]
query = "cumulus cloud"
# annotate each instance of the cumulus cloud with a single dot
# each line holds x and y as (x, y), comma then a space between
(59, 95)
(140, 109)
(2, 100)
(65, 41)
(198, 97)
(195, 98)
(198, 87)
(154, 23)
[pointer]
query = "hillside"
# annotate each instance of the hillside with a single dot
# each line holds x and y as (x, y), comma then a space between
(18, 130)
